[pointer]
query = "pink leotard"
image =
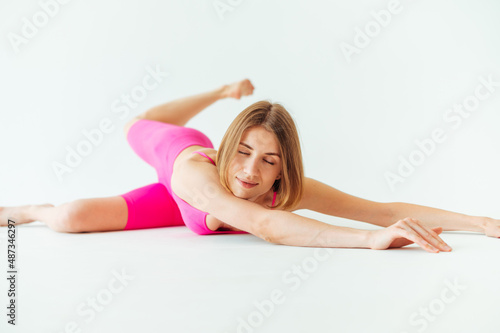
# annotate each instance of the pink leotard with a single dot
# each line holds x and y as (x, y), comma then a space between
(156, 205)
(196, 219)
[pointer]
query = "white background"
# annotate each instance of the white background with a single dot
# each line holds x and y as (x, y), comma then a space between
(354, 117)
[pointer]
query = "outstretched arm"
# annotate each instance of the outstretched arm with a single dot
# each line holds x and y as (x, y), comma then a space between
(325, 199)
(286, 228)
(434, 217)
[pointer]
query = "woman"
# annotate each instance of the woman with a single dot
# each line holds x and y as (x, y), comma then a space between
(252, 184)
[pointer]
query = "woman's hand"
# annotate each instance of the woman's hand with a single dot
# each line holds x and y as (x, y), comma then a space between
(408, 231)
(491, 227)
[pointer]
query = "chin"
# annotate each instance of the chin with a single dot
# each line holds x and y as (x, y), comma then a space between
(240, 192)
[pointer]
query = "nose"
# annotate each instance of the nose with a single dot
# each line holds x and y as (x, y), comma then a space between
(252, 168)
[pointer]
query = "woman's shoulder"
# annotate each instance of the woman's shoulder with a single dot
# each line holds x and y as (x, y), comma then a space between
(200, 155)
(186, 163)
(189, 168)
(188, 155)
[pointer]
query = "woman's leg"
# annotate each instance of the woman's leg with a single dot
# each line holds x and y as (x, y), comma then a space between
(112, 213)
(159, 144)
(150, 206)
(180, 111)
(83, 215)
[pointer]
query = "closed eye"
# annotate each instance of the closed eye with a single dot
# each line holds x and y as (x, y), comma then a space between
(249, 154)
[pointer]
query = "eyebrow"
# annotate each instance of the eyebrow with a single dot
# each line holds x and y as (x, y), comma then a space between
(246, 145)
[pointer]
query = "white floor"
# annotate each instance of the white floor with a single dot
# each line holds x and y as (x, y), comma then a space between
(172, 280)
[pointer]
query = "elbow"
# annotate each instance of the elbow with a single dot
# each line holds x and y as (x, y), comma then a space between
(267, 237)
(263, 229)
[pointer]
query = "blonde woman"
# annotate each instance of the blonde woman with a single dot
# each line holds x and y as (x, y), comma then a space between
(252, 184)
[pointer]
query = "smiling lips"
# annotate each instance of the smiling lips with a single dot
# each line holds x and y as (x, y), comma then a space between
(246, 184)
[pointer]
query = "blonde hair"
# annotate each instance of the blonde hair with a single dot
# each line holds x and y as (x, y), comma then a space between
(275, 119)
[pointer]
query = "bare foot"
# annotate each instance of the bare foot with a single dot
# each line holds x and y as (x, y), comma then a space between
(20, 214)
(238, 89)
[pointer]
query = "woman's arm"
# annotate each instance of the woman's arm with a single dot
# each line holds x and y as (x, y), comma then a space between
(286, 228)
(433, 217)
(198, 184)
(325, 199)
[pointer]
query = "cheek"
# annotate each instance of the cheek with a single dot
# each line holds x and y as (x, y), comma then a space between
(236, 164)
(272, 174)
(233, 169)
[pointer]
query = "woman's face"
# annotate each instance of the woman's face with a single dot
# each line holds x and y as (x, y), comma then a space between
(257, 161)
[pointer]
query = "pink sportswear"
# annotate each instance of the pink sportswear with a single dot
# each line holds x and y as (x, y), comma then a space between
(156, 205)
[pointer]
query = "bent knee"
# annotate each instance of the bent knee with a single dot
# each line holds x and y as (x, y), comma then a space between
(71, 218)
(129, 124)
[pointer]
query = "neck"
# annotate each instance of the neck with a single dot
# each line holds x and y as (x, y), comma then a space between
(264, 199)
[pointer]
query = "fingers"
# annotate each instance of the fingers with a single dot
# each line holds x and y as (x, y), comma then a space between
(422, 235)
(430, 236)
(412, 235)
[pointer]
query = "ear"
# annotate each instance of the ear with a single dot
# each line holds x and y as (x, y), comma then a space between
(278, 177)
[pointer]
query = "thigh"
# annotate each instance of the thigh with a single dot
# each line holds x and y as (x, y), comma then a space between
(92, 215)
(151, 206)
(158, 144)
